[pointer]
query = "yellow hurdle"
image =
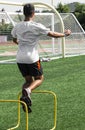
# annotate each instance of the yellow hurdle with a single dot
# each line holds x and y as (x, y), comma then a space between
(18, 120)
(19, 102)
(55, 105)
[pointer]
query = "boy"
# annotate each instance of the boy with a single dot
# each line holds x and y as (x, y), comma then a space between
(26, 34)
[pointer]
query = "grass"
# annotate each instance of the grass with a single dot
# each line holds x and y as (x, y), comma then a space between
(65, 77)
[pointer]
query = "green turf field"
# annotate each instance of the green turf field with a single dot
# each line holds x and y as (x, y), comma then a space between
(65, 77)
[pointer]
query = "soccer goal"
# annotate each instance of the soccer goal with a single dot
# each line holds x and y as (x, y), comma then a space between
(49, 48)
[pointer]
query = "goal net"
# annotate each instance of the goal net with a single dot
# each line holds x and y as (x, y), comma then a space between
(75, 43)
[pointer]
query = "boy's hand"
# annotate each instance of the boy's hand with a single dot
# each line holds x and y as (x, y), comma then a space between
(67, 32)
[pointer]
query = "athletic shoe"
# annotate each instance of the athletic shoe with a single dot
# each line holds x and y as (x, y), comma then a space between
(27, 99)
(26, 94)
(28, 103)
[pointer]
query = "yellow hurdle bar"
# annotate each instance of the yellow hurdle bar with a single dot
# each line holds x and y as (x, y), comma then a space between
(18, 122)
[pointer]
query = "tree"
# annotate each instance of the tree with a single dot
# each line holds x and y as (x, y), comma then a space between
(62, 8)
(80, 8)
(5, 30)
(80, 14)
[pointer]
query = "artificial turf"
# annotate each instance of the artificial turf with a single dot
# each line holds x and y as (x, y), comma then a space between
(65, 77)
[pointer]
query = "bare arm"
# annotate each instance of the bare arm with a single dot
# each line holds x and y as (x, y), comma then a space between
(58, 35)
(15, 40)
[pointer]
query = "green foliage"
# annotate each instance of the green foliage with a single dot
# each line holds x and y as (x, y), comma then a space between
(5, 29)
(62, 8)
(80, 13)
(80, 8)
(47, 11)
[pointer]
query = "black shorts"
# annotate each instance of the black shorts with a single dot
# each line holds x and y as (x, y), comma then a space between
(34, 69)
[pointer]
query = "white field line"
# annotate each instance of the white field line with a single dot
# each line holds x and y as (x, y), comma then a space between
(3, 61)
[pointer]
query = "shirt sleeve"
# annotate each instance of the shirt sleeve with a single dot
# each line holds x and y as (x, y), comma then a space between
(41, 29)
(13, 32)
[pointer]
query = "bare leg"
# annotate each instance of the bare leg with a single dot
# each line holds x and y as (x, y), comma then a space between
(31, 84)
(37, 82)
(25, 97)
(29, 80)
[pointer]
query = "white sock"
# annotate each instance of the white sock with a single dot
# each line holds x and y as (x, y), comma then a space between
(28, 91)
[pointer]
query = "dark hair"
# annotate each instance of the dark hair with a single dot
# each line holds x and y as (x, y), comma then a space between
(28, 9)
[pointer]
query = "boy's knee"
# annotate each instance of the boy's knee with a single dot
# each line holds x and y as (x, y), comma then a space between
(39, 77)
